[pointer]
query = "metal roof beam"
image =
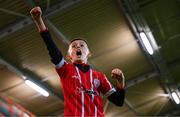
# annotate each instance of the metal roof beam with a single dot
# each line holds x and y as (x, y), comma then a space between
(139, 24)
(48, 4)
(131, 107)
(18, 26)
(22, 73)
(26, 22)
(13, 13)
(140, 79)
(57, 32)
(31, 3)
(174, 111)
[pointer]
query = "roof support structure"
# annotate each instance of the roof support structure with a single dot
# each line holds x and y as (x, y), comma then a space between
(57, 32)
(139, 24)
(26, 22)
(13, 13)
(130, 106)
(48, 4)
(172, 112)
(24, 74)
(140, 79)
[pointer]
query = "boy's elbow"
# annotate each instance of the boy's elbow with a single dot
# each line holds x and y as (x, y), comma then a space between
(117, 98)
(119, 103)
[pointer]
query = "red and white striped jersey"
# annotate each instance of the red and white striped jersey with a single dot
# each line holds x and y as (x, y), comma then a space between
(83, 90)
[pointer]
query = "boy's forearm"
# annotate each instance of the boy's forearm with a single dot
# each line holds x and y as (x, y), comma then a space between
(120, 84)
(54, 52)
(40, 24)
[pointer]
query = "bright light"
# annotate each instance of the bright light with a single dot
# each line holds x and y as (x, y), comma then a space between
(176, 98)
(146, 43)
(37, 88)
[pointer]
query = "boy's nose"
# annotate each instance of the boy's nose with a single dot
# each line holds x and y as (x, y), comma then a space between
(78, 46)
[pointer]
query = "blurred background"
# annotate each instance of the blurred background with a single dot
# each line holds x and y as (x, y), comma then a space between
(141, 37)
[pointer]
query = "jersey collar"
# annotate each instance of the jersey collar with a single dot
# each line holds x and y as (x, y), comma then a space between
(82, 66)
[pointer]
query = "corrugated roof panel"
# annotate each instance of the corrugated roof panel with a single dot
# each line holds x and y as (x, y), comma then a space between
(148, 97)
(12, 11)
(26, 49)
(113, 111)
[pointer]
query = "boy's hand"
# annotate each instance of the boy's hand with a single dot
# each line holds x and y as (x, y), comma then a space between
(36, 13)
(118, 75)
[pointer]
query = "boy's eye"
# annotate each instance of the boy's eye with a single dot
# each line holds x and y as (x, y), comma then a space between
(73, 46)
(82, 45)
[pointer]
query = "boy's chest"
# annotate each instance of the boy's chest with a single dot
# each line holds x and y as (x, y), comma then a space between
(82, 80)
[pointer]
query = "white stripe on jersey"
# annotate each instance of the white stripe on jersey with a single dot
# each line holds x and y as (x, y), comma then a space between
(60, 64)
(112, 90)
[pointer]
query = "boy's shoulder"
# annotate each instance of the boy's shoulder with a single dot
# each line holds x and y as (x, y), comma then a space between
(98, 72)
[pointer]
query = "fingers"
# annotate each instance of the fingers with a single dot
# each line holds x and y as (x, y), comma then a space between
(117, 74)
(116, 71)
(36, 13)
(35, 10)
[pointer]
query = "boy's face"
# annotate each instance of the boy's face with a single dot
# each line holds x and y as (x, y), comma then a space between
(78, 51)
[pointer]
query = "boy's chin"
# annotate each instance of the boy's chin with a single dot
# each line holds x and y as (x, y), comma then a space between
(79, 60)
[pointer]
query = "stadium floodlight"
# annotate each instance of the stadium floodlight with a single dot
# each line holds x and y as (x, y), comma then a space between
(146, 43)
(175, 97)
(37, 88)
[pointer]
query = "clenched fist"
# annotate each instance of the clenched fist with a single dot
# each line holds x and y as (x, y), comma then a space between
(36, 13)
(118, 75)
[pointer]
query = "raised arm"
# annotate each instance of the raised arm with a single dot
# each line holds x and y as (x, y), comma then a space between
(54, 52)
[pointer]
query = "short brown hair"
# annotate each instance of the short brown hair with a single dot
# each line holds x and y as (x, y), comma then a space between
(78, 39)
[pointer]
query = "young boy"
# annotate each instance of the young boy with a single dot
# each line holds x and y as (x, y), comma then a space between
(82, 85)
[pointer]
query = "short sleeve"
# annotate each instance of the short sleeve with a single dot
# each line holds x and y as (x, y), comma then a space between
(61, 68)
(106, 87)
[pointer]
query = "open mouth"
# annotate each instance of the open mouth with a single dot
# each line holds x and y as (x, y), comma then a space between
(78, 53)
